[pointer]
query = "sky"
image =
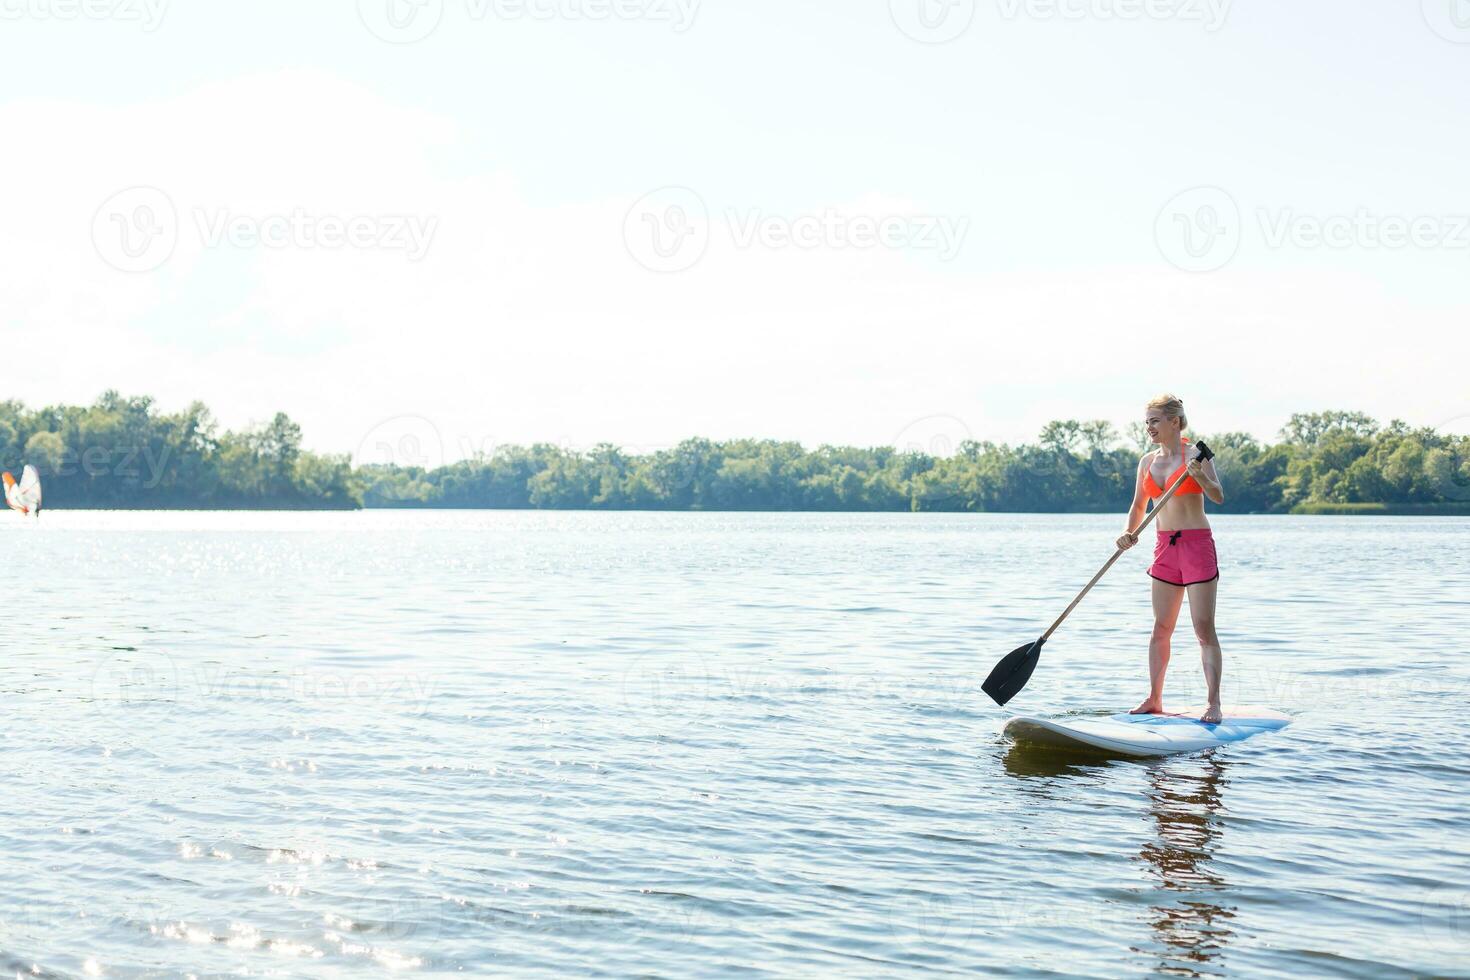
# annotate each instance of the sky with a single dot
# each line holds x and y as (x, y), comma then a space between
(457, 224)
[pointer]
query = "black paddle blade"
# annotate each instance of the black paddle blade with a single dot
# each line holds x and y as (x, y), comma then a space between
(1012, 673)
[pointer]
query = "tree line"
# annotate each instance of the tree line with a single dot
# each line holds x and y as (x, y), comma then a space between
(125, 453)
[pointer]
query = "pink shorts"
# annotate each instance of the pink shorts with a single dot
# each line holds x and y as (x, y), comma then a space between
(1185, 557)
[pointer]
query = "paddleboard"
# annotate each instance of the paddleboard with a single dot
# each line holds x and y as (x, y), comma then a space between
(1146, 735)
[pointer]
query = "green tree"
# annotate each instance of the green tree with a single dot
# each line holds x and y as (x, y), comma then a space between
(45, 451)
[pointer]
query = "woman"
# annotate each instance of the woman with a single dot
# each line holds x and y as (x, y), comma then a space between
(1184, 552)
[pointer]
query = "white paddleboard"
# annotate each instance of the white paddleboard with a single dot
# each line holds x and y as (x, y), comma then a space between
(1145, 735)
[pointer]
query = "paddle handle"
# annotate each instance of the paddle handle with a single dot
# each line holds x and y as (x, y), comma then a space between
(1204, 454)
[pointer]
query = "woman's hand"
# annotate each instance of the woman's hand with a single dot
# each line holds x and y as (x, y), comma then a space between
(1209, 482)
(1127, 540)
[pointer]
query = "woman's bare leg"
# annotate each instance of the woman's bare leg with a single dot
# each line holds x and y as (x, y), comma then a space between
(1167, 600)
(1202, 614)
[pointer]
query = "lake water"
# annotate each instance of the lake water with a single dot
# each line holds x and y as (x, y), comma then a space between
(707, 744)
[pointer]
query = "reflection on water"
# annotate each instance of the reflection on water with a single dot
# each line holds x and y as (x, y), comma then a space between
(1190, 927)
(1023, 760)
(1184, 803)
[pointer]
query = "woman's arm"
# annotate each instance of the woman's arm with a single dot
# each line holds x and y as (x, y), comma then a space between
(1209, 481)
(1137, 509)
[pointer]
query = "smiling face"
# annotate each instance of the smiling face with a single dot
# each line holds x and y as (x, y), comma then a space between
(1161, 428)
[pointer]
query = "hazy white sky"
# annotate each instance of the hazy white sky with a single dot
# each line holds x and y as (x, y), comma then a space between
(489, 221)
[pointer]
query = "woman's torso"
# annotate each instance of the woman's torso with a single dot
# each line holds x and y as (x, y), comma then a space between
(1184, 511)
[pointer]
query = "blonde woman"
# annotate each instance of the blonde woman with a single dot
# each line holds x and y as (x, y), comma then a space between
(1184, 550)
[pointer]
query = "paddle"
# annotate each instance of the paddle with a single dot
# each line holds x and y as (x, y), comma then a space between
(1014, 669)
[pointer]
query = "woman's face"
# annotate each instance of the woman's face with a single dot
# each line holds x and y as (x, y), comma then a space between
(1159, 425)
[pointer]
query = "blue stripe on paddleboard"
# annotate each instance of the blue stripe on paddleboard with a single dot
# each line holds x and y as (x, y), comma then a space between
(1155, 721)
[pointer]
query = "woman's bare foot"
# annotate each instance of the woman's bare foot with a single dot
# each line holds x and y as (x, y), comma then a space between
(1149, 707)
(1212, 715)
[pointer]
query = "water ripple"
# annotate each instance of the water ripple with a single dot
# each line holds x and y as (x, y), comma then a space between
(704, 744)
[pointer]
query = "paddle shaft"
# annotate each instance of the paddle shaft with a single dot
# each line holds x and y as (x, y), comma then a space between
(1116, 555)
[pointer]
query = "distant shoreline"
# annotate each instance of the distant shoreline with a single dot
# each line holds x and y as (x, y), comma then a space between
(1380, 510)
(123, 454)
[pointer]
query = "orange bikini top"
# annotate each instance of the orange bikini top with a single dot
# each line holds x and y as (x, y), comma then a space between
(1154, 492)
